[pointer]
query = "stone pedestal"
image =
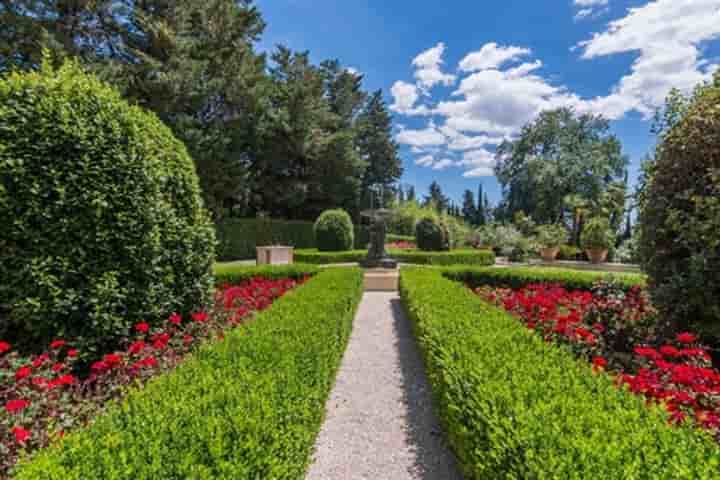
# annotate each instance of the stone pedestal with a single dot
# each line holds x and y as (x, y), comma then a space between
(274, 255)
(382, 280)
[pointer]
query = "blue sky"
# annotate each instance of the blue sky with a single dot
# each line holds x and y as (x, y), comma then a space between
(462, 75)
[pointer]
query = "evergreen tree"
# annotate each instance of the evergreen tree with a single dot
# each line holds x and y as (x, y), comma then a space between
(411, 194)
(469, 210)
(481, 212)
(436, 198)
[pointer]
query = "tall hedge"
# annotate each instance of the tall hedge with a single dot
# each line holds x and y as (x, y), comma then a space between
(102, 220)
(431, 235)
(680, 218)
(334, 231)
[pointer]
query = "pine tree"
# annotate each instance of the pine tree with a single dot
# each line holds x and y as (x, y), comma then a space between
(437, 198)
(481, 212)
(411, 194)
(469, 210)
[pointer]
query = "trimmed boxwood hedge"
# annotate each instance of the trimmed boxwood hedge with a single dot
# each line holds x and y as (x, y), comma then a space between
(234, 273)
(454, 257)
(518, 277)
(516, 407)
(249, 406)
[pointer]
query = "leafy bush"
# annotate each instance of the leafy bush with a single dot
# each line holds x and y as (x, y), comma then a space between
(237, 238)
(454, 257)
(226, 273)
(516, 407)
(519, 277)
(392, 238)
(249, 406)
(432, 235)
(680, 217)
(405, 216)
(551, 236)
(334, 231)
(571, 252)
(485, 236)
(103, 223)
(597, 234)
(629, 251)
(507, 237)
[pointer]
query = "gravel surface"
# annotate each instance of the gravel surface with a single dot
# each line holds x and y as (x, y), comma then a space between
(379, 423)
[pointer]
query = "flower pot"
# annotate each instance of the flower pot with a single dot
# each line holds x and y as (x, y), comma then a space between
(549, 254)
(597, 255)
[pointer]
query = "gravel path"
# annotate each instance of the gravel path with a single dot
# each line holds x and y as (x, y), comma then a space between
(379, 423)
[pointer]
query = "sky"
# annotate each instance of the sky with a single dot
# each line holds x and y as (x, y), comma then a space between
(461, 76)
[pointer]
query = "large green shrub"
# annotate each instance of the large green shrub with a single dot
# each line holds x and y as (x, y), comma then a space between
(680, 218)
(102, 221)
(248, 407)
(431, 235)
(334, 231)
(516, 407)
(551, 236)
(597, 234)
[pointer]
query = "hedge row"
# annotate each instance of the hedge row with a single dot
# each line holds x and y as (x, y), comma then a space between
(518, 277)
(517, 407)
(454, 257)
(391, 237)
(233, 273)
(246, 407)
(237, 237)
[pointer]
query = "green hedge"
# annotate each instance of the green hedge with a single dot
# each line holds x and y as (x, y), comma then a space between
(517, 277)
(249, 407)
(391, 237)
(234, 273)
(516, 407)
(237, 237)
(454, 257)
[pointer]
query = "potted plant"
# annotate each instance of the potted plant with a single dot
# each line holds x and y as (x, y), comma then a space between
(596, 239)
(549, 239)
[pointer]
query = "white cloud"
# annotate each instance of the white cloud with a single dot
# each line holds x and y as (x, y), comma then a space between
(443, 164)
(429, 68)
(491, 56)
(427, 137)
(584, 13)
(425, 161)
(590, 8)
(501, 88)
(667, 35)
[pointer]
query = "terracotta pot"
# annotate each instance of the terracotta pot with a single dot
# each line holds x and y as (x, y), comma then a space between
(549, 254)
(597, 255)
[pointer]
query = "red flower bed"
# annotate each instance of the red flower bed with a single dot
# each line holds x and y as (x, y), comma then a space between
(43, 396)
(615, 331)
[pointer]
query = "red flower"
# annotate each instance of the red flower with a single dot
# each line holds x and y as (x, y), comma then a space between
(599, 362)
(73, 353)
(200, 317)
(22, 373)
(58, 367)
(531, 325)
(148, 362)
(4, 347)
(648, 352)
(57, 344)
(16, 406)
(670, 351)
(598, 327)
(61, 381)
(112, 360)
(187, 339)
(142, 327)
(38, 381)
(40, 360)
(686, 338)
(21, 435)
(136, 347)
(175, 318)
(99, 367)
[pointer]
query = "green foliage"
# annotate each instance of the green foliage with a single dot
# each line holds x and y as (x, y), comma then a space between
(237, 237)
(334, 231)
(629, 251)
(680, 215)
(551, 236)
(103, 224)
(517, 407)
(570, 252)
(454, 257)
(518, 277)
(249, 406)
(406, 215)
(557, 155)
(436, 199)
(431, 235)
(232, 273)
(597, 234)
(391, 237)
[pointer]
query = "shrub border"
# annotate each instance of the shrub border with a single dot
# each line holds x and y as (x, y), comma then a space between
(249, 406)
(516, 407)
(453, 257)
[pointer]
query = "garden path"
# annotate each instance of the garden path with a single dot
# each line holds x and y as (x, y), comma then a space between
(379, 422)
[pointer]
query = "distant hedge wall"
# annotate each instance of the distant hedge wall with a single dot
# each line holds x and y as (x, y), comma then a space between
(237, 237)
(453, 257)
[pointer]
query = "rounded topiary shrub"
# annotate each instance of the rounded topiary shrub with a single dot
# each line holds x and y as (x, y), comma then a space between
(102, 221)
(431, 235)
(679, 242)
(334, 231)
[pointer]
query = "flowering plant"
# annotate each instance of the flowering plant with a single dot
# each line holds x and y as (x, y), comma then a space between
(45, 395)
